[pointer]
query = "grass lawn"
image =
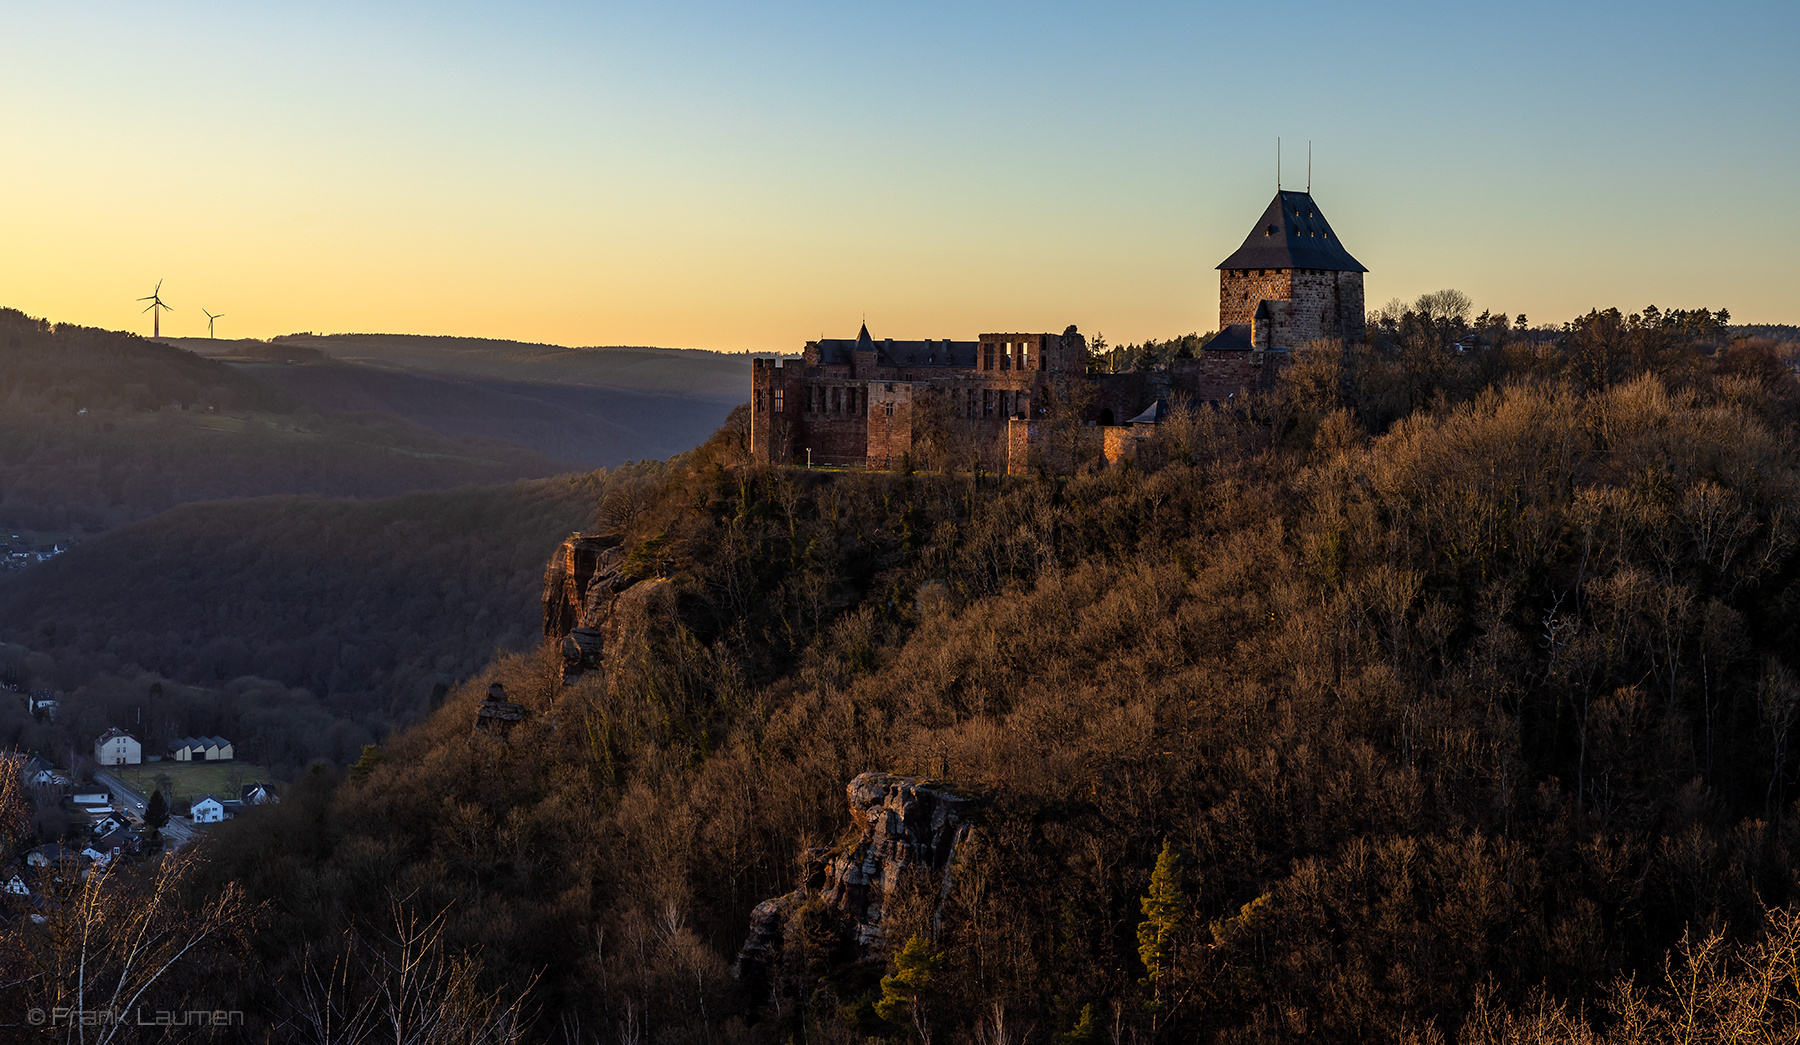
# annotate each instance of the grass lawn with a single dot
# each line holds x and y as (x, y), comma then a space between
(191, 780)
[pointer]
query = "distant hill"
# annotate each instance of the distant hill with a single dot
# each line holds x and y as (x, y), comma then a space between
(596, 407)
(101, 428)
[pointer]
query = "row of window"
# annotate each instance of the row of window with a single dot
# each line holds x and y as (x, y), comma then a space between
(1009, 352)
(821, 399)
(1007, 404)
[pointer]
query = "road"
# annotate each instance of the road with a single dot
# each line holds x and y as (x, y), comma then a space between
(178, 831)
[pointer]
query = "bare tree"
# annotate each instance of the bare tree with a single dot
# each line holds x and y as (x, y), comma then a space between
(401, 985)
(90, 957)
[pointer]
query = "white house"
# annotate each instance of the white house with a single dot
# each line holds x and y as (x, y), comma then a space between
(111, 822)
(118, 748)
(208, 810)
(37, 772)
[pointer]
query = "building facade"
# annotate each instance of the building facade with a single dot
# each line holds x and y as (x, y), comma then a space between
(118, 748)
(864, 402)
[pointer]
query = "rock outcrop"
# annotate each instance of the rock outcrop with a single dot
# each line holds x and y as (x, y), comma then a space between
(497, 714)
(592, 605)
(908, 827)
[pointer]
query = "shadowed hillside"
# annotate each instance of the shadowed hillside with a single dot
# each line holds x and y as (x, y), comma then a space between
(596, 407)
(369, 604)
(98, 428)
(582, 424)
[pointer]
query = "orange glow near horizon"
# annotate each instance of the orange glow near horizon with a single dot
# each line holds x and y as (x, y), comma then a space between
(700, 179)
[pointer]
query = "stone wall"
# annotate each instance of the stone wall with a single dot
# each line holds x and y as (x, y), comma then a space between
(1314, 303)
(1326, 305)
(833, 421)
(890, 424)
(1240, 290)
(774, 405)
(1031, 445)
(1217, 377)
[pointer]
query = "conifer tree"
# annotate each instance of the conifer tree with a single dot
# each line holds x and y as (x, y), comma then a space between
(156, 811)
(1084, 1032)
(902, 993)
(371, 757)
(1163, 908)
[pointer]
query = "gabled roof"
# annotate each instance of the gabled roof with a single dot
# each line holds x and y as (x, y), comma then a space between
(836, 351)
(115, 733)
(1292, 234)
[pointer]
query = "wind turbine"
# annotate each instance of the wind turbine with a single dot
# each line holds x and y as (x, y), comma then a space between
(209, 321)
(154, 308)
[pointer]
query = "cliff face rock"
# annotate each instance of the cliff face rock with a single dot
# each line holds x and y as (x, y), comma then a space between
(497, 714)
(593, 606)
(907, 826)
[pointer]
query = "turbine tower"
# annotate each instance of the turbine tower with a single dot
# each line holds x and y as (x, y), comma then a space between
(155, 308)
(209, 321)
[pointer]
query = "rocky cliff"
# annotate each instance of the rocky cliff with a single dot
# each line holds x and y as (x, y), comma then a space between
(906, 827)
(594, 604)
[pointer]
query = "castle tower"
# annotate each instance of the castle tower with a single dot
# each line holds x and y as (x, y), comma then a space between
(1292, 281)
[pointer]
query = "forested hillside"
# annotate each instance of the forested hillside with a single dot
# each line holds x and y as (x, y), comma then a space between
(369, 606)
(594, 407)
(99, 428)
(1451, 698)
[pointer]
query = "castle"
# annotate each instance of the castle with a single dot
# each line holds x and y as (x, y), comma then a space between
(865, 402)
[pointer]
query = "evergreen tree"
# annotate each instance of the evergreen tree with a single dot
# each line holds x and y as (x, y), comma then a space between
(1084, 1032)
(1163, 908)
(902, 992)
(371, 757)
(156, 811)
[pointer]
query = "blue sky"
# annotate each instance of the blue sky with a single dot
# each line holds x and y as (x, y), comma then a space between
(741, 176)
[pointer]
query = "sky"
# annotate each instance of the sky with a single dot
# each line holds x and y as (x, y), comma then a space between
(749, 176)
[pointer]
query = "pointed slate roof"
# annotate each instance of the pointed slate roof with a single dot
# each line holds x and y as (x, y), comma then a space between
(1292, 234)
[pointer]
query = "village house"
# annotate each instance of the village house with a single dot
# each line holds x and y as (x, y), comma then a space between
(207, 810)
(34, 770)
(45, 855)
(110, 822)
(22, 880)
(118, 748)
(38, 772)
